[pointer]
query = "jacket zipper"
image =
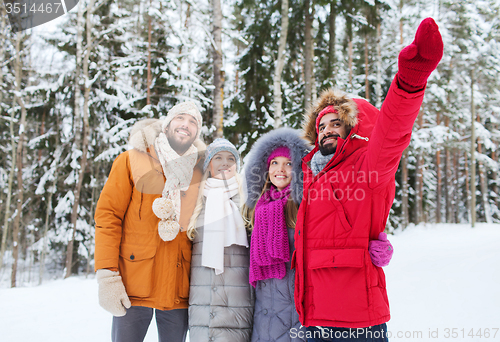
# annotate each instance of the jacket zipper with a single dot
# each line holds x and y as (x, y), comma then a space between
(354, 135)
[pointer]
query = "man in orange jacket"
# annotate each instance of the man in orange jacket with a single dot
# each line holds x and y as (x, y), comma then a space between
(142, 252)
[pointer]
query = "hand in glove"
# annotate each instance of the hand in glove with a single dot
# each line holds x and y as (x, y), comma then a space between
(419, 59)
(112, 294)
(380, 250)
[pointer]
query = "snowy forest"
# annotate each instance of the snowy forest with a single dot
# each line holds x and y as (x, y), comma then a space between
(71, 89)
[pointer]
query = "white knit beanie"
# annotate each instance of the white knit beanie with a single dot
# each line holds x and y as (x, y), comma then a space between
(187, 107)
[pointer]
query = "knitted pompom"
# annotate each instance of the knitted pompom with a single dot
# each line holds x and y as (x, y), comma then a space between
(168, 229)
(163, 208)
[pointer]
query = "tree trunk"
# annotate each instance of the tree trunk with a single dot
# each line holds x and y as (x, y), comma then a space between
(308, 54)
(19, 160)
(404, 189)
(280, 61)
(237, 72)
(91, 241)
(3, 40)
(9, 189)
(419, 179)
(448, 185)
(401, 40)
(473, 156)
(494, 182)
(45, 230)
(404, 159)
(367, 71)
(331, 43)
(438, 177)
(148, 82)
(418, 194)
(378, 86)
(467, 188)
(484, 186)
(349, 52)
(186, 27)
(438, 186)
(314, 91)
(447, 178)
(218, 72)
(50, 193)
(13, 145)
(456, 187)
(85, 141)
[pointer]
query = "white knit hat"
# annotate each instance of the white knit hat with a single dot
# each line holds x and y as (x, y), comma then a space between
(187, 107)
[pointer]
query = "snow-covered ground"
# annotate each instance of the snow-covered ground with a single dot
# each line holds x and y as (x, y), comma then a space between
(441, 277)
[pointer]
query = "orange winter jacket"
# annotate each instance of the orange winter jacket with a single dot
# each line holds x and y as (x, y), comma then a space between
(155, 272)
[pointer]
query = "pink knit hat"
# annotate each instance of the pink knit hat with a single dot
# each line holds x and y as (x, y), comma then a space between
(280, 151)
(324, 111)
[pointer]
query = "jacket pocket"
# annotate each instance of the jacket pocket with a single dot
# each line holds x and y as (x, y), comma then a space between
(136, 268)
(338, 284)
(184, 272)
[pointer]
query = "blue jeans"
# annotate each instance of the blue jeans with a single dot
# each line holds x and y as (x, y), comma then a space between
(377, 333)
(172, 325)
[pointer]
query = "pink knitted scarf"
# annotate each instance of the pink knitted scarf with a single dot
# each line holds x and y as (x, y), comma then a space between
(269, 248)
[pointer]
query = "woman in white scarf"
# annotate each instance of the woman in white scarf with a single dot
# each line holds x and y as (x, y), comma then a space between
(220, 299)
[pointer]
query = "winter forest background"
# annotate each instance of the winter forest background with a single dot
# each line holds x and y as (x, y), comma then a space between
(72, 89)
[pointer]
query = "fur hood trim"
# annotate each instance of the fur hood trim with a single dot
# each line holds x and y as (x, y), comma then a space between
(345, 106)
(144, 132)
(256, 165)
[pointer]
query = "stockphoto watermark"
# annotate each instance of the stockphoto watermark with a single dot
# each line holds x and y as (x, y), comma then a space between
(26, 14)
(366, 333)
(340, 333)
(342, 185)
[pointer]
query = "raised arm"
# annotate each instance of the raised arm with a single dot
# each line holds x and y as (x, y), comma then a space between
(392, 131)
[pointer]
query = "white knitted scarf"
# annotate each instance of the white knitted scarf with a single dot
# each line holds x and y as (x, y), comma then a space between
(178, 171)
(223, 225)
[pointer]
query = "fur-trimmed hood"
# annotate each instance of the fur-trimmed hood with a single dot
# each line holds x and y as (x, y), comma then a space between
(144, 132)
(256, 165)
(346, 107)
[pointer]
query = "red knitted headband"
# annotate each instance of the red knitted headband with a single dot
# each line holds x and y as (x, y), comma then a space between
(326, 110)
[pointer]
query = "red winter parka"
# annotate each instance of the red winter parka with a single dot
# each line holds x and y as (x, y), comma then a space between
(347, 205)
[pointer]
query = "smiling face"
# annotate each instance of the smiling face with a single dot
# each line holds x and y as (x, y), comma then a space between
(181, 132)
(223, 165)
(330, 128)
(280, 172)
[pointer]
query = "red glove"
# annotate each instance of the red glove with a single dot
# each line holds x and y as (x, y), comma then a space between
(419, 59)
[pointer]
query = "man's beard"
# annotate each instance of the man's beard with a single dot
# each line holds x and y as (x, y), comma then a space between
(330, 148)
(177, 146)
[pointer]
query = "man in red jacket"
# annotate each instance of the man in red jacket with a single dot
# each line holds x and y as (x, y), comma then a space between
(349, 187)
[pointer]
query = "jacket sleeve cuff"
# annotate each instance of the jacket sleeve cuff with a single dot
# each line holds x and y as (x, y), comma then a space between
(109, 264)
(401, 92)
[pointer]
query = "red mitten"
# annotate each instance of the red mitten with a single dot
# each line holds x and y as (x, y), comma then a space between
(419, 59)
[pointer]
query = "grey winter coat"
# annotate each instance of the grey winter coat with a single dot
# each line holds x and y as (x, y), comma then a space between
(220, 306)
(275, 317)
